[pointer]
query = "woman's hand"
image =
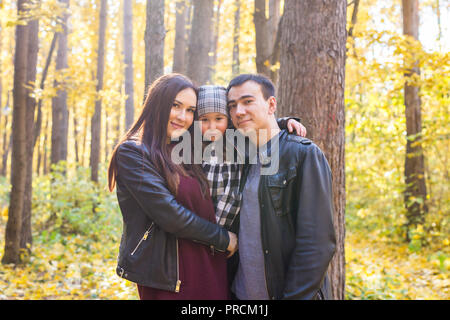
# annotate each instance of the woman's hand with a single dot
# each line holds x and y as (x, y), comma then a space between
(297, 126)
(233, 245)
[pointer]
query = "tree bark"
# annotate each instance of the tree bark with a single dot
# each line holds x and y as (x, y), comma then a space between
(312, 79)
(415, 191)
(128, 60)
(262, 38)
(96, 118)
(155, 33)
(19, 155)
(199, 45)
(214, 44)
(59, 103)
(179, 50)
(33, 48)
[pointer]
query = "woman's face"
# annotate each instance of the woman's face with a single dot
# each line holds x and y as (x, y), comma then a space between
(213, 125)
(182, 113)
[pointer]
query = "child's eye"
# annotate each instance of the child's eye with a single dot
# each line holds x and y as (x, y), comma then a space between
(203, 120)
(219, 119)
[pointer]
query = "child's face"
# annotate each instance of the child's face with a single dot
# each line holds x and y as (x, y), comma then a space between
(213, 125)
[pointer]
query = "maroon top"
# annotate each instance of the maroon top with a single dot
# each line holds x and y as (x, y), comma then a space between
(203, 273)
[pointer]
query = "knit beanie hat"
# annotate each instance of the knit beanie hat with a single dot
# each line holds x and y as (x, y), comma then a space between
(212, 99)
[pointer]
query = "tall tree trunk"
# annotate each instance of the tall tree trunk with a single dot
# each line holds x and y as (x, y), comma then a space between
(179, 50)
(266, 30)
(236, 31)
(128, 60)
(155, 33)
(415, 192)
(199, 45)
(96, 118)
(19, 155)
(262, 38)
(275, 32)
(312, 78)
(274, 18)
(214, 44)
(189, 18)
(33, 47)
(60, 117)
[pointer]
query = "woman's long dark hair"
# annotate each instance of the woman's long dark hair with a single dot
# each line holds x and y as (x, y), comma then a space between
(151, 129)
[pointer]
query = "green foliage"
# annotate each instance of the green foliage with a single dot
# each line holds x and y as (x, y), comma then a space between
(73, 205)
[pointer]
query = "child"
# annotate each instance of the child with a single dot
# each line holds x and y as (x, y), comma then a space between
(224, 176)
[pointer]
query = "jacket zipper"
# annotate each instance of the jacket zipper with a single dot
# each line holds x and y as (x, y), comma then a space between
(177, 286)
(143, 238)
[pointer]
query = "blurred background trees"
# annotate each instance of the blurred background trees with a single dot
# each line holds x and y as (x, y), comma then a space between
(370, 78)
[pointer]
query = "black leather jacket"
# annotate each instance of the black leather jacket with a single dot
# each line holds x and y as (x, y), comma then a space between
(297, 233)
(150, 211)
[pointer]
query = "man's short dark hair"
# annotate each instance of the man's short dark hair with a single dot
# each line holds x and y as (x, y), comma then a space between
(267, 87)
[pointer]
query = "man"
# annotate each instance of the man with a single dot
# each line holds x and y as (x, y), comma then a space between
(285, 227)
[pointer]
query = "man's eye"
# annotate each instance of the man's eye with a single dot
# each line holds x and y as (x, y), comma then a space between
(231, 106)
(248, 101)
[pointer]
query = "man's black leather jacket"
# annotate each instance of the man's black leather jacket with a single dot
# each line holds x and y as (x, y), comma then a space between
(297, 233)
(150, 211)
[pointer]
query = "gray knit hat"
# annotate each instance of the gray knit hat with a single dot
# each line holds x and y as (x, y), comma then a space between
(212, 99)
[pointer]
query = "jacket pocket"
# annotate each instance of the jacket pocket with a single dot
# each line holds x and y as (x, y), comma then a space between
(144, 237)
(278, 189)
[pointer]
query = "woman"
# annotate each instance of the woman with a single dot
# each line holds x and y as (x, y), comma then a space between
(167, 249)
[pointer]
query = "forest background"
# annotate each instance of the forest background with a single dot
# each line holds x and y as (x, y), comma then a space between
(93, 60)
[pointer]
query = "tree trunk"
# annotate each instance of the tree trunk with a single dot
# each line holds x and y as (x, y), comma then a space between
(59, 103)
(275, 32)
(214, 44)
(154, 42)
(33, 47)
(96, 118)
(262, 38)
(128, 60)
(415, 192)
(199, 45)
(236, 30)
(312, 78)
(189, 14)
(19, 155)
(274, 18)
(179, 49)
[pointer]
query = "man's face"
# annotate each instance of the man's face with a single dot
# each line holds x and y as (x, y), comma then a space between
(249, 110)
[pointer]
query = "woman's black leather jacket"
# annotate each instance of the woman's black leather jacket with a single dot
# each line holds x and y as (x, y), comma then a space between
(150, 211)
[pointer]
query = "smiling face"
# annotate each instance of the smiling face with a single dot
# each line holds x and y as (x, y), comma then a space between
(182, 113)
(213, 125)
(249, 110)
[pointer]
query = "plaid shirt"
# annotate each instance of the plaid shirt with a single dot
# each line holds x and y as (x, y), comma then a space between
(224, 180)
